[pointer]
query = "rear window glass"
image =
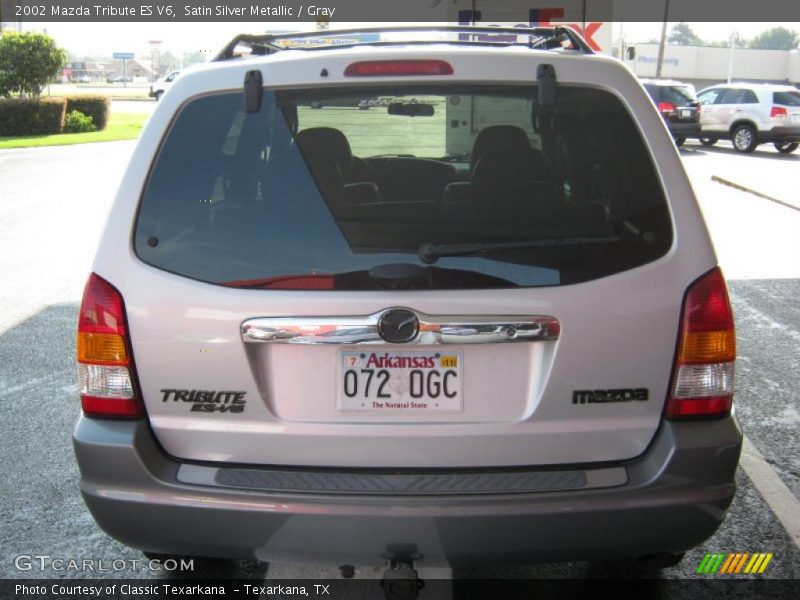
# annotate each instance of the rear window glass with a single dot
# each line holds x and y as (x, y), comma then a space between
(678, 95)
(738, 96)
(402, 188)
(710, 96)
(786, 98)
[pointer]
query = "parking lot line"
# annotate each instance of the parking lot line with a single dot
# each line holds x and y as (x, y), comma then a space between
(36, 382)
(743, 188)
(780, 498)
(765, 321)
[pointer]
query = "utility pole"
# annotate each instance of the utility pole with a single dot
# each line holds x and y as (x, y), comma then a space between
(663, 40)
(734, 36)
(155, 59)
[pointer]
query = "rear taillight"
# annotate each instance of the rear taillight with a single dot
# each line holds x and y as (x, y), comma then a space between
(392, 68)
(666, 107)
(702, 384)
(105, 368)
(778, 111)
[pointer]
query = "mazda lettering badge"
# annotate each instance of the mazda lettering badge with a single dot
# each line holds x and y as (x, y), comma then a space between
(398, 326)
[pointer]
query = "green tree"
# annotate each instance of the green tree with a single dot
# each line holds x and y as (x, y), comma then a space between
(777, 38)
(720, 43)
(682, 35)
(28, 61)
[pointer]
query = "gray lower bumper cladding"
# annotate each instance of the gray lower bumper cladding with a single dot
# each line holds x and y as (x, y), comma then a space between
(671, 498)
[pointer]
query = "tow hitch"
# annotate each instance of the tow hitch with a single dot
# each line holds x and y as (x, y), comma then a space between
(401, 581)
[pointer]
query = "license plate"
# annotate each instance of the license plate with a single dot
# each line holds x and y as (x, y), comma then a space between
(404, 382)
(686, 114)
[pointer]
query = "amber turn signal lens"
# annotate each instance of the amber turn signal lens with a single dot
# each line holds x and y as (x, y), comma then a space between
(102, 348)
(707, 347)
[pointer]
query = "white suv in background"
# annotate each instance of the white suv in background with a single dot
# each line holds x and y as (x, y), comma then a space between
(750, 114)
(160, 87)
(481, 324)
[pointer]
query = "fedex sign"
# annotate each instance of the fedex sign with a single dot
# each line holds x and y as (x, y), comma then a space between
(597, 34)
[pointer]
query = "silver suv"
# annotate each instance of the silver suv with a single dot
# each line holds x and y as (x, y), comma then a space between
(484, 321)
(750, 114)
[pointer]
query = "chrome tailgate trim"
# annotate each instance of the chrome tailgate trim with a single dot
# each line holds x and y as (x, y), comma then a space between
(432, 330)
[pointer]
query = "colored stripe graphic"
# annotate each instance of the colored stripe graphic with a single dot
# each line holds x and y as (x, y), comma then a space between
(718, 563)
(727, 566)
(710, 563)
(703, 563)
(741, 562)
(765, 563)
(753, 563)
(758, 564)
(734, 563)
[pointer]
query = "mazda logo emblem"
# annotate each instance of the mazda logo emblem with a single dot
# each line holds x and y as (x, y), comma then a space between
(398, 326)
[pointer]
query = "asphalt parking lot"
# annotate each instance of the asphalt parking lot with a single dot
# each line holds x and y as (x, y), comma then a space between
(50, 225)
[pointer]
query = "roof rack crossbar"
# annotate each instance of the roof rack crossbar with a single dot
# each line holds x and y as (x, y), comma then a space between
(538, 37)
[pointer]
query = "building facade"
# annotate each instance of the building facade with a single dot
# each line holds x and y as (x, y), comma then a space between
(703, 66)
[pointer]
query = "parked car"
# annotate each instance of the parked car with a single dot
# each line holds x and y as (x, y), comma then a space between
(120, 79)
(160, 86)
(82, 79)
(678, 105)
(484, 327)
(750, 114)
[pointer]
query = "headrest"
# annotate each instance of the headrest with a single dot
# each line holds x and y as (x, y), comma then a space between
(499, 138)
(323, 140)
(511, 168)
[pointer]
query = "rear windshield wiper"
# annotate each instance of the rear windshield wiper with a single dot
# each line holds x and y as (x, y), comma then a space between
(429, 253)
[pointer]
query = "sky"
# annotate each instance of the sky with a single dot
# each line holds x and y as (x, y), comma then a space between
(84, 39)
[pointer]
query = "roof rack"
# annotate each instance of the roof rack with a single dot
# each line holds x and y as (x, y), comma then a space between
(539, 38)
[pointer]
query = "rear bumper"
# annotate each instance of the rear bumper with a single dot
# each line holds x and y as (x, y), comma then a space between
(675, 497)
(684, 128)
(778, 134)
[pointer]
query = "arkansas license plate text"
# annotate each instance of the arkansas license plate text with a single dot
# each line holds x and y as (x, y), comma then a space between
(400, 381)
